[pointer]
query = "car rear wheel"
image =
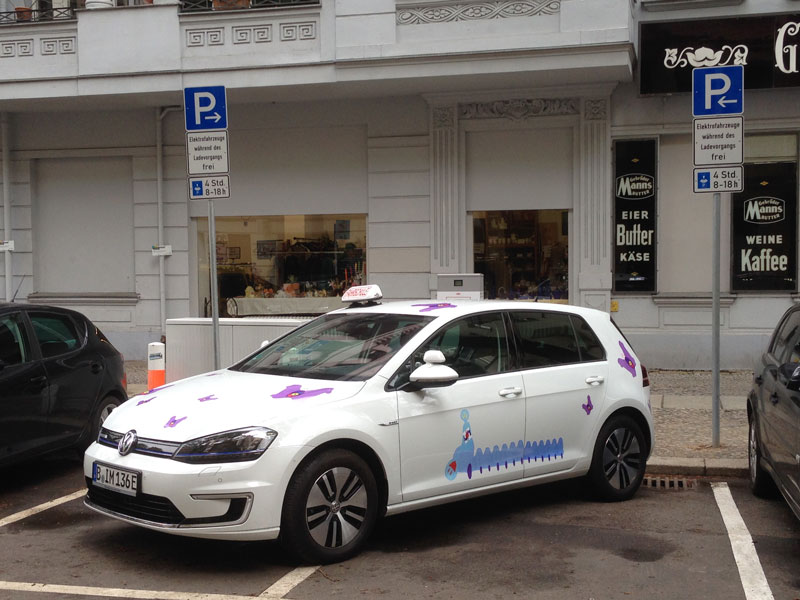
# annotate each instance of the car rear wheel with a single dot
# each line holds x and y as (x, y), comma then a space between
(760, 482)
(330, 508)
(619, 459)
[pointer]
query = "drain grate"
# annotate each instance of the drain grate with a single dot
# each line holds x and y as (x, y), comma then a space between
(669, 483)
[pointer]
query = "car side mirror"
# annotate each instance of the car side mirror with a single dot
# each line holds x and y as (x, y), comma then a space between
(2, 364)
(789, 375)
(434, 373)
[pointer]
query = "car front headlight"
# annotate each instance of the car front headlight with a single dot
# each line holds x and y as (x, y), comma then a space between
(230, 446)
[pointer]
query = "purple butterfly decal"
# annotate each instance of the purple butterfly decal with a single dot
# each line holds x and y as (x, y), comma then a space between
(294, 391)
(627, 361)
(434, 306)
(207, 398)
(145, 401)
(163, 387)
(588, 406)
(173, 422)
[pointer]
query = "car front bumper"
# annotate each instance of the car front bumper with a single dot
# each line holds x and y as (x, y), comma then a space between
(236, 501)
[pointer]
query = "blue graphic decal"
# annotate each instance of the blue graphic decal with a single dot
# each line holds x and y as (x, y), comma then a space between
(467, 460)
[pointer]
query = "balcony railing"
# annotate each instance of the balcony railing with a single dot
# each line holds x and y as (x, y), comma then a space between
(206, 5)
(28, 15)
(21, 15)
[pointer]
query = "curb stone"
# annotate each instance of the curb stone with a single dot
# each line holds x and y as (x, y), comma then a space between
(715, 467)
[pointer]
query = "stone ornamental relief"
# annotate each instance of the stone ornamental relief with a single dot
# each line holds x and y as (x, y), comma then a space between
(473, 11)
(518, 110)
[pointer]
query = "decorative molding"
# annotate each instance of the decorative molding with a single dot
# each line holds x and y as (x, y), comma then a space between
(443, 117)
(293, 32)
(255, 34)
(53, 46)
(15, 48)
(205, 37)
(518, 110)
(595, 109)
(706, 57)
(475, 11)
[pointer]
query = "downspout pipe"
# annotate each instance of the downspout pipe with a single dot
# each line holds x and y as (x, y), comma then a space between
(8, 256)
(162, 279)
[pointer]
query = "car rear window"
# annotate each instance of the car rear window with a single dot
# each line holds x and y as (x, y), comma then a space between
(55, 333)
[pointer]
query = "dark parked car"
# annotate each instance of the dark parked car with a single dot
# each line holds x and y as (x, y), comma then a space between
(60, 378)
(773, 411)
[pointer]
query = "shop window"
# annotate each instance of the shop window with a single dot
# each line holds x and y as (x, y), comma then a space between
(523, 254)
(283, 264)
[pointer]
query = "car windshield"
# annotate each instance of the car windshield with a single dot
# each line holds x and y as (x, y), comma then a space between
(341, 347)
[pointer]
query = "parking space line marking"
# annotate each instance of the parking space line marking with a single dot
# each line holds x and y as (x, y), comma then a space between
(751, 573)
(288, 582)
(76, 590)
(42, 507)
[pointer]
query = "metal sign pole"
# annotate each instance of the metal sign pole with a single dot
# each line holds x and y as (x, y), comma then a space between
(212, 262)
(715, 323)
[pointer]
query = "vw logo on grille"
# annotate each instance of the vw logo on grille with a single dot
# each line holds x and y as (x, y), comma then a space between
(127, 443)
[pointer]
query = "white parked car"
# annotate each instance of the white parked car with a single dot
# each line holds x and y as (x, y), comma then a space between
(378, 409)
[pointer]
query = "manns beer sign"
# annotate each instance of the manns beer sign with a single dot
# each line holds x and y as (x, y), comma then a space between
(635, 216)
(764, 224)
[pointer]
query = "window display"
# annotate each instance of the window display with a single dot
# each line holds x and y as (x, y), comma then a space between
(283, 264)
(523, 254)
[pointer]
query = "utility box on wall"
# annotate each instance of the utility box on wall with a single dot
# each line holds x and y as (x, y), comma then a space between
(459, 286)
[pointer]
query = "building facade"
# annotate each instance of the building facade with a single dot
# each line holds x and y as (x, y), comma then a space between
(389, 142)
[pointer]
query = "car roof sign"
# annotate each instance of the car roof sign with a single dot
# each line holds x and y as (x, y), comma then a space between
(362, 293)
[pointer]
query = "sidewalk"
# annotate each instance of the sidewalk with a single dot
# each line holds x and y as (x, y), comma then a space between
(681, 402)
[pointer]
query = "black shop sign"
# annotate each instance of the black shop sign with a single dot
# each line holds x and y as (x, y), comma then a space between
(635, 216)
(764, 229)
(768, 47)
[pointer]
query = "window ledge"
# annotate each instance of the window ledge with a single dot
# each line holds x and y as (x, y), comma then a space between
(70, 298)
(693, 300)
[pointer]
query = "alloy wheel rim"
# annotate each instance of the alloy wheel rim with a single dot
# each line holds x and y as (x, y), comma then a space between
(104, 414)
(336, 507)
(622, 458)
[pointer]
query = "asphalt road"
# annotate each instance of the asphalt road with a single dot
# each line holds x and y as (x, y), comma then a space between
(545, 542)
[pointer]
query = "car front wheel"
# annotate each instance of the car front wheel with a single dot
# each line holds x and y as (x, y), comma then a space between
(619, 459)
(330, 508)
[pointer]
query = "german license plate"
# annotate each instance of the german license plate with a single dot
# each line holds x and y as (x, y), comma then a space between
(112, 478)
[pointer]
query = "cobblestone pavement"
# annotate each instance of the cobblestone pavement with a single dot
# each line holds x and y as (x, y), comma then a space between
(684, 432)
(680, 432)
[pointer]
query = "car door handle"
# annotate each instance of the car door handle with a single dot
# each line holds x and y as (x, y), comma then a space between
(595, 379)
(96, 368)
(510, 392)
(774, 398)
(40, 380)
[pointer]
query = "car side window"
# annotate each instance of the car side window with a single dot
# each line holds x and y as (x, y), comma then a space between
(14, 349)
(787, 340)
(590, 347)
(546, 339)
(473, 346)
(55, 333)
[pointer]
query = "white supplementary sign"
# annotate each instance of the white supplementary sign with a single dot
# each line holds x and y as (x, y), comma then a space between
(718, 141)
(719, 179)
(207, 152)
(204, 188)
